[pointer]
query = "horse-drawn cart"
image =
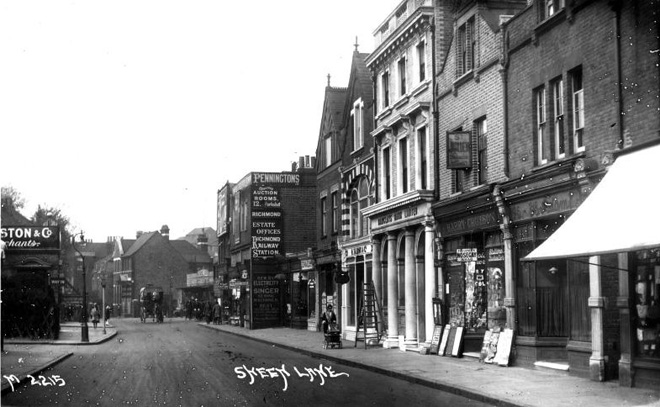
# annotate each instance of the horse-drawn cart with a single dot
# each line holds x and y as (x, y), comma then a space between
(151, 302)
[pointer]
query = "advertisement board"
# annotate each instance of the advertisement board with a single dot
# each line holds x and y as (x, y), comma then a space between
(19, 238)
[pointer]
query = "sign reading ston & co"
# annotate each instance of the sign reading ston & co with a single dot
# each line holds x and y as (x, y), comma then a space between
(30, 237)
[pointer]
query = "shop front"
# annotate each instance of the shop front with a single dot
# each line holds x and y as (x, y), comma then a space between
(357, 263)
(613, 235)
(31, 278)
(473, 265)
(403, 267)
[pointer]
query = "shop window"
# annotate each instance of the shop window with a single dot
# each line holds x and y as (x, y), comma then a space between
(646, 292)
(578, 291)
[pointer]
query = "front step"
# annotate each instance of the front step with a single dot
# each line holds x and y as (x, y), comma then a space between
(557, 366)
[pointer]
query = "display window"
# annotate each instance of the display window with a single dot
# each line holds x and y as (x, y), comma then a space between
(647, 303)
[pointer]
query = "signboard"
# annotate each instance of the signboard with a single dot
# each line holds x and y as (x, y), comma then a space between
(223, 214)
(435, 339)
(266, 233)
(19, 238)
(469, 223)
(466, 255)
(266, 196)
(289, 178)
(202, 277)
(265, 300)
(459, 149)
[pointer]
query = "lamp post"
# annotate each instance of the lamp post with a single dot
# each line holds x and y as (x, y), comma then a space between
(103, 296)
(84, 334)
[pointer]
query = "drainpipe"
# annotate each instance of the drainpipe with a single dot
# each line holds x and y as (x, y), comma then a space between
(436, 143)
(620, 141)
(509, 280)
(504, 62)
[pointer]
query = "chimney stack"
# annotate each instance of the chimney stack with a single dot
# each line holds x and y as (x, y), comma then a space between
(165, 232)
(202, 242)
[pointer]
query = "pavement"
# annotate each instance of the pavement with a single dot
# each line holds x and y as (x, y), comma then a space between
(497, 385)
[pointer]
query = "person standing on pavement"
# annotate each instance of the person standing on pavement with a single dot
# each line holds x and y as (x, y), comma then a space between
(96, 315)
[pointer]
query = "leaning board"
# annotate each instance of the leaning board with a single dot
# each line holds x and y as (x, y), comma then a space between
(443, 343)
(504, 348)
(457, 350)
(435, 339)
(450, 341)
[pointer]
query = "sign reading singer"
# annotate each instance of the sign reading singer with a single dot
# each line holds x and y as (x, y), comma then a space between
(459, 149)
(31, 237)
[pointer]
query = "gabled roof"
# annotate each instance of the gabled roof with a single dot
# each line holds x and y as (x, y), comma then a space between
(190, 252)
(11, 216)
(144, 238)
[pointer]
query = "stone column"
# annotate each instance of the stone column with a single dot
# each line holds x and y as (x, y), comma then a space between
(430, 282)
(420, 291)
(377, 273)
(392, 294)
(623, 303)
(596, 303)
(410, 299)
(509, 277)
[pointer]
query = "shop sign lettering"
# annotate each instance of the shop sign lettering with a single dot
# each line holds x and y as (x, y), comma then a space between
(30, 237)
(562, 202)
(467, 224)
(466, 255)
(397, 216)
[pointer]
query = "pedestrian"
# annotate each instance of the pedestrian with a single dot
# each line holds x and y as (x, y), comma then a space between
(96, 315)
(328, 319)
(108, 312)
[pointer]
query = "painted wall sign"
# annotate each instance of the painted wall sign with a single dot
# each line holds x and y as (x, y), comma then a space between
(266, 233)
(266, 305)
(30, 237)
(459, 149)
(223, 215)
(468, 223)
(356, 251)
(557, 203)
(266, 197)
(398, 216)
(275, 178)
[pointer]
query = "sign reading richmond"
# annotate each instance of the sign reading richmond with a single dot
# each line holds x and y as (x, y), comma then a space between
(31, 237)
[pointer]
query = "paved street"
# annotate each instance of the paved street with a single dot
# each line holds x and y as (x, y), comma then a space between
(181, 363)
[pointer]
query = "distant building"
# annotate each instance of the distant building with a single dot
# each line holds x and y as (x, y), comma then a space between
(153, 260)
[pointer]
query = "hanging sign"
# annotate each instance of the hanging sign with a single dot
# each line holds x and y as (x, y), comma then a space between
(459, 149)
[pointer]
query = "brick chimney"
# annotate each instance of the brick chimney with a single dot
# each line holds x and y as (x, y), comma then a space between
(202, 242)
(165, 232)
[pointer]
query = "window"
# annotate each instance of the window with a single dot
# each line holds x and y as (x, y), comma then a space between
(335, 210)
(328, 151)
(578, 110)
(467, 47)
(558, 109)
(550, 8)
(324, 216)
(458, 176)
(481, 127)
(422, 161)
(403, 165)
(540, 126)
(385, 89)
(387, 168)
(402, 76)
(421, 61)
(358, 122)
(359, 201)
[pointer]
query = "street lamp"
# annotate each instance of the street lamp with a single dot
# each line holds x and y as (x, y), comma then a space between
(84, 334)
(103, 290)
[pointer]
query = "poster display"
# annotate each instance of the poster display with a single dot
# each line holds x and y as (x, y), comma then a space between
(435, 339)
(266, 303)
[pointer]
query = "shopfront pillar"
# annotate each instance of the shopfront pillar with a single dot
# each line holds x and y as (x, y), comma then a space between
(430, 282)
(377, 273)
(410, 284)
(623, 303)
(597, 304)
(392, 294)
(509, 281)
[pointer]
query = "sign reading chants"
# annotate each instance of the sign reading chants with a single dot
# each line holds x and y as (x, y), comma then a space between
(30, 237)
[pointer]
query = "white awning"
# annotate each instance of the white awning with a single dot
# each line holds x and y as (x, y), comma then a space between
(621, 214)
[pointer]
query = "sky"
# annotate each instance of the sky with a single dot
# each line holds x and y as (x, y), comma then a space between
(130, 114)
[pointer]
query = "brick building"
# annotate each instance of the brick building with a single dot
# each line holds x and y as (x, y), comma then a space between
(471, 161)
(153, 260)
(267, 220)
(581, 88)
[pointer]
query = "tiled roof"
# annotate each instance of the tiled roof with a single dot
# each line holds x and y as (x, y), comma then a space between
(138, 243)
